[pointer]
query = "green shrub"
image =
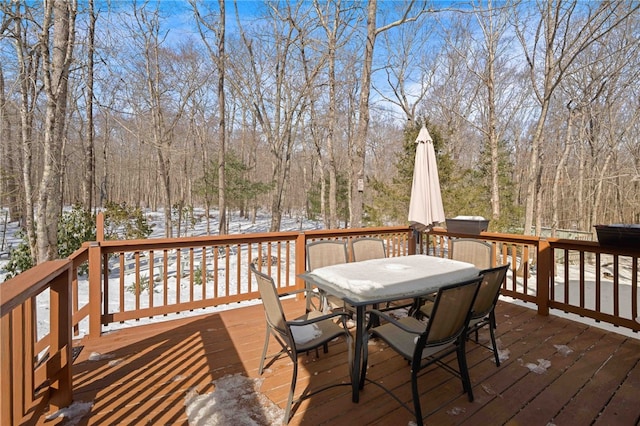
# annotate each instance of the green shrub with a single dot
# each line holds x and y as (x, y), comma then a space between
(20, 257)
(145, 284)
(74, 228)
(197, 275)
(124, 222)
(78, 226)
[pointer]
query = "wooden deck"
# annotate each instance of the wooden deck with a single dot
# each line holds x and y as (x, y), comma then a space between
(143, 374)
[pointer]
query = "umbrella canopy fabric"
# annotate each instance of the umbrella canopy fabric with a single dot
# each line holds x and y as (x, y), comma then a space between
(425, 206)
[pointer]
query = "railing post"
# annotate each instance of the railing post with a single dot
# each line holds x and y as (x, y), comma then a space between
(301, 259)
(60, 339)
(412, 241)
(95, 289)
(543, 277)
(100, 226)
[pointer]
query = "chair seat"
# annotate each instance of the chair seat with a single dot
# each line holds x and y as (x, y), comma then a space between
(404, 342)
(325, 330)
(426, 308)
(473, 322)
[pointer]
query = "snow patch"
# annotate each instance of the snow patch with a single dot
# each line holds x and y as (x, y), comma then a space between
(73, 413)
(503, 354)
(236, 400)
(455, 411)
(563, 350)
(95, 356)
(539, 368)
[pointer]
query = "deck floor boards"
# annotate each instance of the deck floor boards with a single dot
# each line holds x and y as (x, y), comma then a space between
(142, 374)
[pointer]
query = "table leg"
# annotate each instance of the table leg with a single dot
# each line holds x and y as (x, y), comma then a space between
(358, 359)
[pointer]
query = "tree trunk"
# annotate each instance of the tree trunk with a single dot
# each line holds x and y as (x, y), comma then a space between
(358, 147)
(493, 132)
(9, 185)
(558, 174)
(60, 15)
(223, 227)
(89, 150)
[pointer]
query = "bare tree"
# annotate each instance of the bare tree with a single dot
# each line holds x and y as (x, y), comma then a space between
(219, 58)
(272, 86)
(493, 23)
(409, 68)
(561, 35)
(59, 17)
(168, 90)
(88, 183)
(9, 173)
(28, 70)
(357, 153)
(334, 19)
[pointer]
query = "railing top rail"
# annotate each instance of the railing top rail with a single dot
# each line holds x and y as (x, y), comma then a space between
(592, 246)
(183, 242)
(80, 252)
(111, 246)
(492, 236)
(355, 231)
(29, 284)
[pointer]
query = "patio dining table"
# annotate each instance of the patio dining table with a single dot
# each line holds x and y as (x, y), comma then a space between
(378, 281)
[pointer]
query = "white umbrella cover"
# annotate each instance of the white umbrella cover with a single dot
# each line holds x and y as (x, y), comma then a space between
(425, 207)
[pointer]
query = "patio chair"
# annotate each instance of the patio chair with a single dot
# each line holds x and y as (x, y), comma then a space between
(325, 253)
(366, 248)
(484, 307)
(468, 250)
(297, 336)
(474, 251)
(425, 345)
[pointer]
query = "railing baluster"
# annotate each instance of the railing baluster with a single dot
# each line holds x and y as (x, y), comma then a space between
(165, 280)
(598, 283)
(123, 266)
(582, 283)
(191, 274)
(616, 285)
(634, 290)
(178, 274)
(151, 282)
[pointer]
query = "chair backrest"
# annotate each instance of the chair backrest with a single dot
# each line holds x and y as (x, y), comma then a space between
(271, 303)
(326, 253)
(451, 311)
(489, 291)
(473, 251)
(367, 248)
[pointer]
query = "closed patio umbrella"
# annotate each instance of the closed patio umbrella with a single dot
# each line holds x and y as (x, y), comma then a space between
(425, 206)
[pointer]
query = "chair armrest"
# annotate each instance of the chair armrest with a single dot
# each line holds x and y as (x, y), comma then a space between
(291, 293)
(393, 321)
(318, 319)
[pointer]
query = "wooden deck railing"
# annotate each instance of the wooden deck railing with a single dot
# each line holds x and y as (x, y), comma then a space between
(574, 276)
(35, 370)
(130, 280)
(145, 278)
(603, 285)
(529, 257)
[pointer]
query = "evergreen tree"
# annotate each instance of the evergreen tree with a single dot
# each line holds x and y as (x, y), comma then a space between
(391, 201)
(239, 190)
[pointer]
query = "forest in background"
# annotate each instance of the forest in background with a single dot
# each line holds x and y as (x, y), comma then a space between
(314, 107)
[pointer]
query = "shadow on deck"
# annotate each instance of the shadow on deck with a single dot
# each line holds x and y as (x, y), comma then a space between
(142, 374)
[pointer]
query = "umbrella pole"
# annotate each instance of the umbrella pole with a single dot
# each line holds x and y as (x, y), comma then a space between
(417, 236)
